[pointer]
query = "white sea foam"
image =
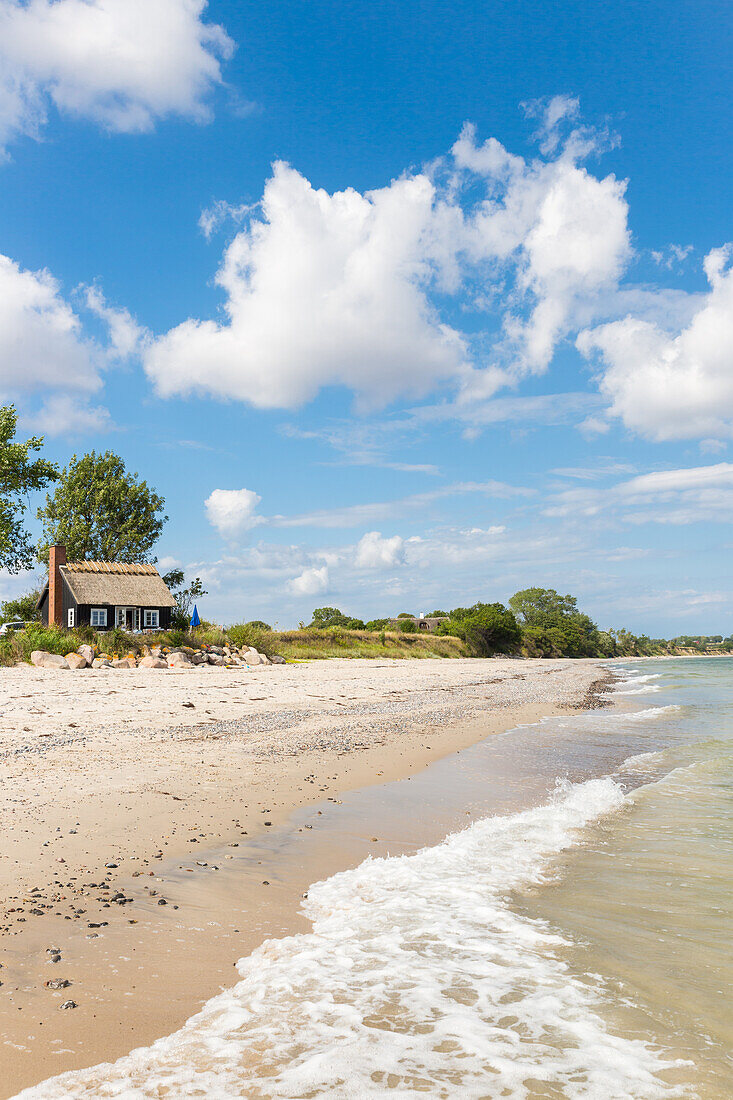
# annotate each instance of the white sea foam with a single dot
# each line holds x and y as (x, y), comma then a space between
(641, 762)
(645, 689)
(417, 976)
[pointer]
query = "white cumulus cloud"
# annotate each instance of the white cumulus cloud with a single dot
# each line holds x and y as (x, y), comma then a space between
(672, 385)
(122, 63)
(50, 365)
(375, 552)
(311, 582)
(232, 511)
(323, 289)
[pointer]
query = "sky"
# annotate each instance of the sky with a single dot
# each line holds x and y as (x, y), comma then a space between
(399, 306)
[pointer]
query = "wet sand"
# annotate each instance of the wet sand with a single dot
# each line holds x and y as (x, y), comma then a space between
(189, 803)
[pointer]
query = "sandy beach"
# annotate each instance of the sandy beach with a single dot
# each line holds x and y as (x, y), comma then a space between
(136, 810)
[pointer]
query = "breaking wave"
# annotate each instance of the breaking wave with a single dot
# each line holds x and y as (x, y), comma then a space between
(417, 977)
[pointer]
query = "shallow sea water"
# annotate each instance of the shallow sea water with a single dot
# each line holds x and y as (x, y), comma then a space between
(573, 941)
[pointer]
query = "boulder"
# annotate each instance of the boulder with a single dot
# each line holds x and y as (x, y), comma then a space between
(153, 662)
(198, 658)
(75, 660)
(278, 660)
(179, 660)
(41, 659)
(215, 659)
(86, 652)
(217, 650)
(124, 662)
(101, 662)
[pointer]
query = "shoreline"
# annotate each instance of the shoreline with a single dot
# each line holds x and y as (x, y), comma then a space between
(227, 786)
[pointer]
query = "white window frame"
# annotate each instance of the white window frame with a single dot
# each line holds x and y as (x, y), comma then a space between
(120, 619)
(71, 618)
(101, 613)
(151, 618)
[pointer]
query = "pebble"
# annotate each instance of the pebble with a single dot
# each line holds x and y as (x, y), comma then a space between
(69, 1004)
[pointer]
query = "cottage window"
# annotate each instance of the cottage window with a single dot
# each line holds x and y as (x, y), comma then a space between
(151, 619)
(98, 616)
(70, 617)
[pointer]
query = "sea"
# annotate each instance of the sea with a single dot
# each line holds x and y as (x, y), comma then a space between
(570, 937)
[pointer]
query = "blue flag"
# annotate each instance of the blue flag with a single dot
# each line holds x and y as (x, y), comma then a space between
(195, 621)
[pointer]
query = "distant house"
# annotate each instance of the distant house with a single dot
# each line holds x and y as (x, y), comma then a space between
(429, 623)
(104, 594)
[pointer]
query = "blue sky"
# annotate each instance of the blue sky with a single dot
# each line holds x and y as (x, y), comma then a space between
(399, 306)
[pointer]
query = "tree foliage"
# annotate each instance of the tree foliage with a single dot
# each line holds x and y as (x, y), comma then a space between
(21, 608)
(99, 511)
(19, 475)
(184, 595)
(324, 617)
(487, 627)
(553, 625)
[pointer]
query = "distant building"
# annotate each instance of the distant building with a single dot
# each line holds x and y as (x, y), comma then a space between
(104, 594)
(428, 623)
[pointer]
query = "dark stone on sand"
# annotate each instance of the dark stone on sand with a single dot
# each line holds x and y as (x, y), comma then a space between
(69, 1004)
(58, 983)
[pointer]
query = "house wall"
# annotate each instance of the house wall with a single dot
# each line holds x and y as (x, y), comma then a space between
(84, 611)
(84, 614)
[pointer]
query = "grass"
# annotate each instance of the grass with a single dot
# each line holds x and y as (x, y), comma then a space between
(294, 645)
(308, 645)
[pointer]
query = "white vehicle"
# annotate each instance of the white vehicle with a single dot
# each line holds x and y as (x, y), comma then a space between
(16, 624)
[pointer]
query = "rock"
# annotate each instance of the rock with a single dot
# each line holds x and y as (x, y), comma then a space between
(86, 652)
(199, 658)
(75, 660)
(217, 659)
(217, 650)
(58, 983)
(41, 659)
(124, 662)
(153, 662)
(278, 660)
(101, 662)
(69, 1004)
(179, 660)
(252, 657)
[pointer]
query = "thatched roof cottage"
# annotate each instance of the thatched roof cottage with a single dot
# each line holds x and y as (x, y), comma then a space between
(104, 594)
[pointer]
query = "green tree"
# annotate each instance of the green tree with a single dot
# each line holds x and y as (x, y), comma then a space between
(184, 595)
(324, 617)
(437, 615)
(554, 621)
(487, 627)
(408, 626)
(100, 511)
(19, 475)
(22, 608)
(542, 606)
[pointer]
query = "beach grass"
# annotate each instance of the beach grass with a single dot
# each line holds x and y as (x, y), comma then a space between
(295, 645)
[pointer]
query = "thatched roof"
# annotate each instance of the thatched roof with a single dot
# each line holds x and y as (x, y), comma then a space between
(120, 583)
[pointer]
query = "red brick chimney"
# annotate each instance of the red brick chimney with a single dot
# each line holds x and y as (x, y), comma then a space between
(56, 557)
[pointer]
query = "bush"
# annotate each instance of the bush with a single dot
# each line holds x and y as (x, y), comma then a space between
(487, 628)
(408, 626)
(246, 634)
